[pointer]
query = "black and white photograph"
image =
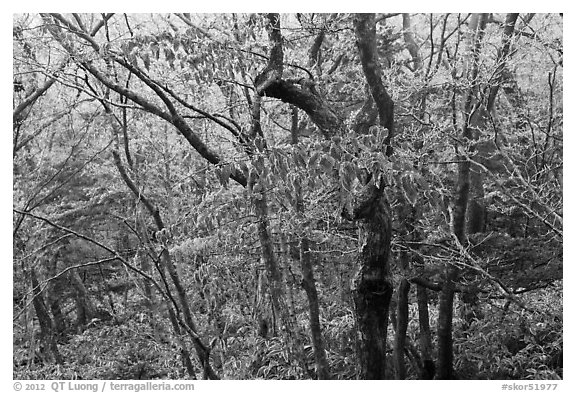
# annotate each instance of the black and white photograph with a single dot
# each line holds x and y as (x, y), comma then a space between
(287, 196)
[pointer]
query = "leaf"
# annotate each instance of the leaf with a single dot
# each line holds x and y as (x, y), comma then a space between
(328, 163)
(132, 59)
(313, 160)
(259, 143)
(348, 170)
(155, 48)
(131, 45)
(227, 170)
(223, 174)
(302, 158)
(345, 181)
(410, 191)
(244, 168)
(311, 183)
(351, 172)
(123, 48)
(298, 158)
(335, 152)
(282, 167)
(169, 54)
(146, 60)
(257, 188)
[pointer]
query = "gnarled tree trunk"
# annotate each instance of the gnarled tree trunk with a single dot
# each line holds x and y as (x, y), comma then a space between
(372, 286)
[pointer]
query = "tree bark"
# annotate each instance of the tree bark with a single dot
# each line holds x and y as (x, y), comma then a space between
(503, 53)
(365, 30)
(184, 353)
(410, 41)
(372, 286)
(303, 95)
(425, 338)
(401, 328)
(445, 315)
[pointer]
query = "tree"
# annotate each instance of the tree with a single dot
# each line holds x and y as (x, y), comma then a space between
(267, 190)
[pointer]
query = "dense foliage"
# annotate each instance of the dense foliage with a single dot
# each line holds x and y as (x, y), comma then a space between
(190, 195)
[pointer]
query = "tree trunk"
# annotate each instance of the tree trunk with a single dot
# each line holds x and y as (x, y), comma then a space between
(54, 297)
(476, 219)
(147, 286)
(309, 284)
(372, 287)
(410, 41)
(445, 317)
(406, 213)
(295, 331)
(462, 193)
(85, 309)
(476, 211)
(274, 275)
(184, 353)
(47, 338)
(401, 328)
(266, 324)
(201, 349)
(425, 338)
(308, 280)
(365, 30)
